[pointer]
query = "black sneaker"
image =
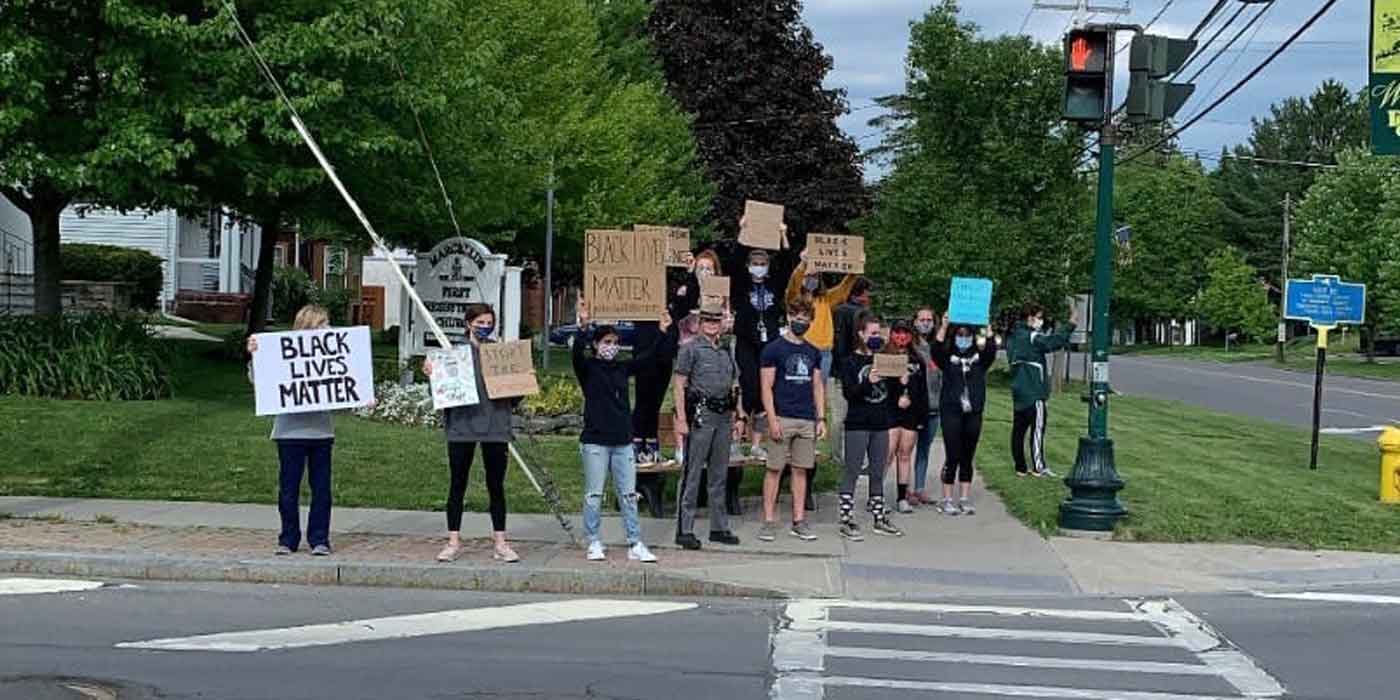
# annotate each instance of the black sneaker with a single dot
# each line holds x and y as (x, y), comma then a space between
(723, 537)
(688, 541)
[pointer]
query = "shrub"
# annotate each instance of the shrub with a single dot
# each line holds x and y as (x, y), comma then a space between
(103, 356)
(405, 405)
(291, 290)
(559, 396)
(337, 303)
(109, 263)
(234, 346)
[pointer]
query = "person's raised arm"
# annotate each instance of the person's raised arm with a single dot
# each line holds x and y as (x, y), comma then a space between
(1053, 341)
(648, 356)
(581, 339)
(841, 292)
(794, 286)
(988, 351)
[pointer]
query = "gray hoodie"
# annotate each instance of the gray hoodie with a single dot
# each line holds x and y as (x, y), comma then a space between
(300, 426)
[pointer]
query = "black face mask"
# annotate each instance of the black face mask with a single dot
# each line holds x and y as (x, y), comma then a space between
(800, 328)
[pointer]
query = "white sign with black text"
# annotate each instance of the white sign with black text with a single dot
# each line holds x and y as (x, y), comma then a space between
(318, 370)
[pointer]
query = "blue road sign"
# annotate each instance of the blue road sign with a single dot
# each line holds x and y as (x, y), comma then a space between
(1325, 300)
(970, 301)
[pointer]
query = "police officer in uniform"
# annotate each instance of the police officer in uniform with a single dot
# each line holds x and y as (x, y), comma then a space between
(705, 375)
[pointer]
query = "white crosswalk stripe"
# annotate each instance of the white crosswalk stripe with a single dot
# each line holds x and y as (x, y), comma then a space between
(35, 586)
(1004, 651)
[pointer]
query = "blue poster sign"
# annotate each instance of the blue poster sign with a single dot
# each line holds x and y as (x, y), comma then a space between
(1325, 300)
(970, 301)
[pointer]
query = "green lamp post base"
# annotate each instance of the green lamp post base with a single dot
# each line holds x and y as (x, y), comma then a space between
(1094, 485)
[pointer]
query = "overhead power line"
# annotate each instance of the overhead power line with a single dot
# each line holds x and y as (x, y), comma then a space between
(1231, 92)
(1219, 5)
(1149, 24)
(1202, 50)
(1263, 10)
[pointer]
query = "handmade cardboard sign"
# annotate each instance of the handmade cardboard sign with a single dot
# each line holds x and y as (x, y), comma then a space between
(891, 366)
(677, 242)
(715, 286)
(830, 253)
(762, 225)
(453, 380)
(970, 301)
(508, 369)
(318, 370)
(624, 275)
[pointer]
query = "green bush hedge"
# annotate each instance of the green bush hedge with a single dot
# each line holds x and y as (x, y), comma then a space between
(109, 263)
(291, 290)
(100, 356)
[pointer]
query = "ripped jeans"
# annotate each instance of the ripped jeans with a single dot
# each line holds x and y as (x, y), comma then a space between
(598, 460)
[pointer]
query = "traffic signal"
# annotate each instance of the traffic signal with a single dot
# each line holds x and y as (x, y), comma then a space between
(1151, 99)
(1086, 74)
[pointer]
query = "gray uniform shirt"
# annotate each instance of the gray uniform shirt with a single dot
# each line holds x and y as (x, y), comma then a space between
(708, 369)
(300, 426)
(487, 421)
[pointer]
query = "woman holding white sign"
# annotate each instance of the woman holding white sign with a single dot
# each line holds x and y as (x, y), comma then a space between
(486, 423)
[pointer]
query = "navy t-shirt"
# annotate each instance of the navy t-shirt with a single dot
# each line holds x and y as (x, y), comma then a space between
(796, 363)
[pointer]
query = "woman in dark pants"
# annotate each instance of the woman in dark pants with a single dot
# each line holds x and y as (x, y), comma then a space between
(964, 357)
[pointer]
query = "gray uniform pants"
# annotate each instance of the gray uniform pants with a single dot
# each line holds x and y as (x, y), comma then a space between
(706, 447)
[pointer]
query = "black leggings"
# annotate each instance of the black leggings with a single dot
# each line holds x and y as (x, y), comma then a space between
(459, 457)
(651, 391)
(961, 431)
(746, 357)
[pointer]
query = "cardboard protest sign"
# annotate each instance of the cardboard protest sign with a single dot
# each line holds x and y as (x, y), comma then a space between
(891, 366)
(624, 275)
(715, 286)
(318, 370)
(830, 253)
(453, 380)
(970, 301)
(677, 242)
(763, 226)
(508, 369)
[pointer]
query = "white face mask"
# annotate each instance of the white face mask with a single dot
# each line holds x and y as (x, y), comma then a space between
(703, 272)
(1037, 323)
(758, 271)
(608, 351)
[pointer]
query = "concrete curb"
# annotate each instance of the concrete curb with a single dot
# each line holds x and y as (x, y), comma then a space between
(507, 578)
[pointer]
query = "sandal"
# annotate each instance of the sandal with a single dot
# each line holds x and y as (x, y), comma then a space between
(449, 553)
(506, 554)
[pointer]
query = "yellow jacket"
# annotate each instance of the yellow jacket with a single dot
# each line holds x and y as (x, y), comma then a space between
(823, 330)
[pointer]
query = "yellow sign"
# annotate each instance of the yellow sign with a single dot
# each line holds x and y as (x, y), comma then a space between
(1385, 36)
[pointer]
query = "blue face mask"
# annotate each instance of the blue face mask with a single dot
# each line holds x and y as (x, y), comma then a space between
(484, 332)
(964, 342)
(874, 342)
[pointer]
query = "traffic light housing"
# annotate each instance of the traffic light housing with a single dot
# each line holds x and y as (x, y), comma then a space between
(1152, 58)
(1086, 74)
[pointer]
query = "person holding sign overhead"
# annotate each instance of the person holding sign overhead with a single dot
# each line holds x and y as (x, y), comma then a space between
(304, 442)
(604, 444)
(808, 285)
(1026, 351)
(965, 357)
(486, 423)
(758, 308)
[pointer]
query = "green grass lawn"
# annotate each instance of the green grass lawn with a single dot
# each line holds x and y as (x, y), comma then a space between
(206, 445)
(1198, 476)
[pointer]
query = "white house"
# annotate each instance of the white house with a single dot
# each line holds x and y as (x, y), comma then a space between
(215, 254)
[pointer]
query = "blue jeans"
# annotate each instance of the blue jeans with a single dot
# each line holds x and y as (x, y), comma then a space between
(598, 460)
(826, 367)
(925, 450)
(297, 456)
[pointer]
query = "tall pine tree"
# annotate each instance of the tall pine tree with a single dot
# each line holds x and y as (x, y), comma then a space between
(751, 74)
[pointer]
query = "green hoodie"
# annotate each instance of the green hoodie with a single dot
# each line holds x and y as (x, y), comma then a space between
(1026, 352)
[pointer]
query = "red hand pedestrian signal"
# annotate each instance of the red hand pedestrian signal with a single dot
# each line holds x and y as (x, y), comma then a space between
(1079, 54)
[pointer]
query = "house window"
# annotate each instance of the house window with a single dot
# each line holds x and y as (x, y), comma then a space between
(336, 261)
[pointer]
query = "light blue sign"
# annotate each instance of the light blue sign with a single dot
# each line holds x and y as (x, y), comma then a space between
(1325, 300)
(970, 301)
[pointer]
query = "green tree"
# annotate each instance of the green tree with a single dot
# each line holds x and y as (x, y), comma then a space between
(1235, 298)
(983, 177)
(87, 115)
(1346, 226)
(1175, 220)
(751, 74)
(1312, 129)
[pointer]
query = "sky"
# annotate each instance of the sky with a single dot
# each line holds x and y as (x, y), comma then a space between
(867, 40)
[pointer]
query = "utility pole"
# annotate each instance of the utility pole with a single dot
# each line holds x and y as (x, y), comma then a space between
(1283, 274)
(548, 267)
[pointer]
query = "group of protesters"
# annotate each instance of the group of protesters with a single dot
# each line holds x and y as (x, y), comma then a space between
(801, 363)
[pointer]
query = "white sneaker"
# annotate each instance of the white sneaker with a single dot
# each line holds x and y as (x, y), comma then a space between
(758, 454)
(596, 551)
(639, 552)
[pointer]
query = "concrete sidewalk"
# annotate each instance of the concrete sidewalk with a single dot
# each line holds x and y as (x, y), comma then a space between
(990, 554)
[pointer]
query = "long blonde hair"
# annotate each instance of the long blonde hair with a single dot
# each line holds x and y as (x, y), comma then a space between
(310, 317)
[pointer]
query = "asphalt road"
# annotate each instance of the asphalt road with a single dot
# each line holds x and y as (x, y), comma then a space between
(435, 644)
(1350, 406)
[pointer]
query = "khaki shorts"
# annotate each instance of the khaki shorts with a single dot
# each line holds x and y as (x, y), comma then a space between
(798, 448)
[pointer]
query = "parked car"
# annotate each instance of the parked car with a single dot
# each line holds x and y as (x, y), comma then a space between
(563, 336)
(1388, 347)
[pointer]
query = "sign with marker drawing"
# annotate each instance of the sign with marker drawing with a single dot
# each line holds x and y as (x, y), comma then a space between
(453, 379)
(763, 225)
(890, 365)
(677, 242)
(716, 287)
(970, 301)
(830, 253)
(624, 275)
(317, 370)
(508, 369)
